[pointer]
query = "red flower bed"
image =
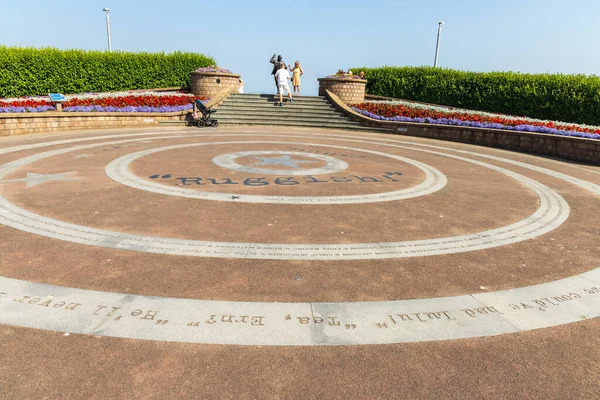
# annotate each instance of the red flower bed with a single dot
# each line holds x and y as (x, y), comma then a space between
(393, 110)
(26, 103)
(120, 101)
(134, 101)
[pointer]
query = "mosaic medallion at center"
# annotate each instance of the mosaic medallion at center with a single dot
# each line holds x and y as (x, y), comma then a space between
(295, 163)
(119, 171)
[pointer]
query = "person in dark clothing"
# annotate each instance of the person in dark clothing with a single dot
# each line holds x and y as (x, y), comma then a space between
(276, 66)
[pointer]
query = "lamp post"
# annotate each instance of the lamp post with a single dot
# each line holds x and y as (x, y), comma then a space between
(106, 10)
(437, 44)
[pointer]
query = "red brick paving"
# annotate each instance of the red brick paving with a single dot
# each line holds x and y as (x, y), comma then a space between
(561, 362)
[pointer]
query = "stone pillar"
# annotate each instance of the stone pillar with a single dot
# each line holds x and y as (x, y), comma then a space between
(208, 84)
(349, 90)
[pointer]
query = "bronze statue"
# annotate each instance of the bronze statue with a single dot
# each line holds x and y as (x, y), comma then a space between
(276, 65)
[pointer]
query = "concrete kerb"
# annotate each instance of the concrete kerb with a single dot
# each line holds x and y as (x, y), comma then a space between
(564, 147)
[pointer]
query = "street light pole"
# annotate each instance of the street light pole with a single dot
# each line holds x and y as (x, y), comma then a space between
(106, 10)
(437, 45)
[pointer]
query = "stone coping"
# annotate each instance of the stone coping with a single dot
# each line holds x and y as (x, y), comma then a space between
(217, 74)
(219, 97)
(394, 124)
(402, 127)
(342, 79)
(64, 114)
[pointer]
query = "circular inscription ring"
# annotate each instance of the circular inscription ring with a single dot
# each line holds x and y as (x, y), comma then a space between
(62, 309)
(552, 212)
(118, 170)
(332, 165)
(40, 306)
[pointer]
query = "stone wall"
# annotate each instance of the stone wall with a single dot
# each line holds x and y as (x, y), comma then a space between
(208, 84)
(565, 147)
(349, 90)
(25, 123)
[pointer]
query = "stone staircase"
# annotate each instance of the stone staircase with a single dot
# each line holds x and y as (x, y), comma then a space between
(263, 109)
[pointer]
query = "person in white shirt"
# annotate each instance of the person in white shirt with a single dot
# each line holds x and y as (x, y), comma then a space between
(283, 76)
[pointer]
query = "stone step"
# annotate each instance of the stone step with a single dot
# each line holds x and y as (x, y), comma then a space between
(173, 123)
(294, 119)
(305, 111)
(285, 110)
(262, 96)
(270, 104)
(307, 125)
(283, 123)
(339, 124)
(273, 106)
(272, 99)
(271, 123)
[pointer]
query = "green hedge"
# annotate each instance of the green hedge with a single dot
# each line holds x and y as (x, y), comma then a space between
(570, 98)
(31, 71)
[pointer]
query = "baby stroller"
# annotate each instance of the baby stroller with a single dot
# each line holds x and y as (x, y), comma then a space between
(205, 119)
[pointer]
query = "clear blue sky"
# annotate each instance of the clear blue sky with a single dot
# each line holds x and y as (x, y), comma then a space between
(479, 35)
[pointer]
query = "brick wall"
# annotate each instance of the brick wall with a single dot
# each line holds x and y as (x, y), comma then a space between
(568, 148)
(25, 123)
(349, 90)
(208, 84)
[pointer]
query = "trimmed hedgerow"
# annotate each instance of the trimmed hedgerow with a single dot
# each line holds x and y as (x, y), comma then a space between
(32, 71)
(570, 98)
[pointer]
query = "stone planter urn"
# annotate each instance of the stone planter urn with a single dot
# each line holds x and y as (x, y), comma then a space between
(208, 84)
(349, 90)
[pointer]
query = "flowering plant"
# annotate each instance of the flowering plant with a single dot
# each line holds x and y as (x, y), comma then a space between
(341, 74)
(98, 108)
(20, 109)
(107, 102)
(213, 68)
(133, 101)
(25, 105)
(403, 111)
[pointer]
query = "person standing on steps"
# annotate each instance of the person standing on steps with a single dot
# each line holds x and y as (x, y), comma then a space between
(276, 65)
(282, 76)
(297, 72)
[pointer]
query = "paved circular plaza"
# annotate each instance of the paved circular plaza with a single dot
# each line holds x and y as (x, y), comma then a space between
(292, 237)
